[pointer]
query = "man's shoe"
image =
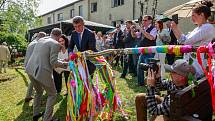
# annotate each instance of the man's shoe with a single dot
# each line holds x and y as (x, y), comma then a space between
(141, 85)
(122, 76)
(36, 118)
(28, 99)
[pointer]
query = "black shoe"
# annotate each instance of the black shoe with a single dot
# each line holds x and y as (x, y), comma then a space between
(141, 85)
(115, 64)
(35, 118)
(28, 99)
(122, 76)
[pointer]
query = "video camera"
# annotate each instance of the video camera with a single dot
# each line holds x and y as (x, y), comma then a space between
(152, 64)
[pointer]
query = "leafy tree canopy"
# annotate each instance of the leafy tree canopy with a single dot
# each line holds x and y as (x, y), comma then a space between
(17, 16)
(13, 39)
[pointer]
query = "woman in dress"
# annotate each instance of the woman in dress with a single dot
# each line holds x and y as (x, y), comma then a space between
(163, 37)
(64, 56)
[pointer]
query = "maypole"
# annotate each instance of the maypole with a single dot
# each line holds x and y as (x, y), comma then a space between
(86, 101)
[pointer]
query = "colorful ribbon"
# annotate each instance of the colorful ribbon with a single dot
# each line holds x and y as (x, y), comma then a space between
(171, 49)
(85, 100)
(210, 52)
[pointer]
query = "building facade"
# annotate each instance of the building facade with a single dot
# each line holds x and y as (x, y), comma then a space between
(112, 12)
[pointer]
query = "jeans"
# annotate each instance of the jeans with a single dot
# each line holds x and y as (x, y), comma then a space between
(170, 58)
(58, 79)
(143, 58)
(128, 65)
(161, 57)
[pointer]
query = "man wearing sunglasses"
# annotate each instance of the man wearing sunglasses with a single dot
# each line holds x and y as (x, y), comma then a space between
(148, 38)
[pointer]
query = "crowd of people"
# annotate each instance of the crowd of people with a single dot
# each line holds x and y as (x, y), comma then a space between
(47, 59)
(180, 70)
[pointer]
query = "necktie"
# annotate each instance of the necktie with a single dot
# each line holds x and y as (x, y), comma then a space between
(79, 39)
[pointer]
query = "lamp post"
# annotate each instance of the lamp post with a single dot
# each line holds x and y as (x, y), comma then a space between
(141, 11)
(141, 7)
(154, 8)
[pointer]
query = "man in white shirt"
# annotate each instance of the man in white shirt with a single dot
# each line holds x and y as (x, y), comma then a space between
(148, 32)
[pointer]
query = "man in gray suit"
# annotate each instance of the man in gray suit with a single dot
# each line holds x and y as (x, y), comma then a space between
(28, 54)
(40, 67)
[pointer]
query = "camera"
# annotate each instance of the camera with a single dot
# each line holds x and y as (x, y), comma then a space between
(134, 28)
(175, 18)
(152, 64)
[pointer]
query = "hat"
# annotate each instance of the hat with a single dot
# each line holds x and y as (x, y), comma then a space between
(180, 67)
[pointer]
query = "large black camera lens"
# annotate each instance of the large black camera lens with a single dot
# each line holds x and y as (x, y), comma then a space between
(151, 65)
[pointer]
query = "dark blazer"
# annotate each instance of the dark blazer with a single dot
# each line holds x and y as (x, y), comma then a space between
(173, 38)
(119, 43)
(88, 42)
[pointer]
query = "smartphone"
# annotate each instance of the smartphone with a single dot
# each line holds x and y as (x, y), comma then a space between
(175, 18)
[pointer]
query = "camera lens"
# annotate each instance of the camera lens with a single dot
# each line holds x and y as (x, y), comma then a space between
(144, 66)
(152, 65)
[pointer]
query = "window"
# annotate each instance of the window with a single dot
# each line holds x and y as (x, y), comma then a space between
(60, 16)
(72, 13)
(80, 10)
(93, 7)
(113, 23)
(116, 3)
(212, 18)
(121, 21)
(49, 20)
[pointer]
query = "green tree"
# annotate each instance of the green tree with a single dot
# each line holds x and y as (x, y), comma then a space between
(13, 39)
(18, 15)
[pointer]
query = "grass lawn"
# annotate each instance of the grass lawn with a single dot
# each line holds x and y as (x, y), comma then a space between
(13, 86)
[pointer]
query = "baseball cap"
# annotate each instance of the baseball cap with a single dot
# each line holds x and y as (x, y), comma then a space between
(180, 67)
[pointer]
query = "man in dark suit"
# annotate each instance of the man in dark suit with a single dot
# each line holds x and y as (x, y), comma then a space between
(171, 57)
(118, 42)
(83, 39)
(129, 40)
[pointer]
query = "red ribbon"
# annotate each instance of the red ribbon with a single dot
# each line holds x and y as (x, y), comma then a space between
(204, 49)
(170, 49)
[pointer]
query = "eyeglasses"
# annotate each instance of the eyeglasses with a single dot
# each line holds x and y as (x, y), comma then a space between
(145, 20)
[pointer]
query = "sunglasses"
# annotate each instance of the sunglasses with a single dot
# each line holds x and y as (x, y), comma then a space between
(145, 20)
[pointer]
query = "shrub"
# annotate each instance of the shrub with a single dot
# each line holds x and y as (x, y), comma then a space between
(14, 40)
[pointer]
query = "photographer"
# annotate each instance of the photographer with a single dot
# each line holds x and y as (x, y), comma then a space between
(118, 43)
(129, 39)
(203, 33)
(157, 106)
(148, 33)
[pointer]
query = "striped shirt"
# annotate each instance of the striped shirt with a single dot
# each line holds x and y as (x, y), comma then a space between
(164, 107)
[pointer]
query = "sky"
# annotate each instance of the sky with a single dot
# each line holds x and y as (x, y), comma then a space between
(48, 5)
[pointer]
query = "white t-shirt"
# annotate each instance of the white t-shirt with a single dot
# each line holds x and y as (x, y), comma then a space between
(163, 34)
(201, 35)
(63, 56)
